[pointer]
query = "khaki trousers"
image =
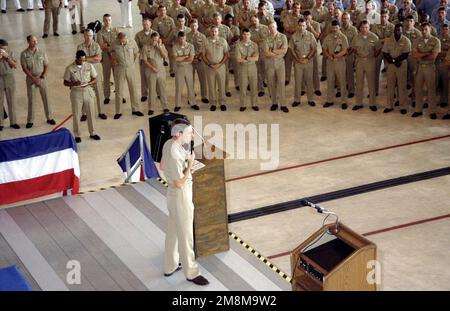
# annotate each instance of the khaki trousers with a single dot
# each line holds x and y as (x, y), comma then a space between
(425, 75)
(336, 69)
(442, 79)
(82, 98)
(397, 76)
(275, 72)
(216, 84)
(303, 75)
(8, 90)
(199, 68)
(144, 85)
(260, 65)
(248, 75)
(183, 75)
(31, 90)
(157, 85)
(124, 75)
(107, 69)
(365, 67)
(51, 13)
(350, 72)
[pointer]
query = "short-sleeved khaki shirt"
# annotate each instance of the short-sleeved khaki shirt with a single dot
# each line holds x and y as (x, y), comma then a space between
(34, 62)
(279, 41)
(5, 69)
(84, 74)
(153, 55)
(173, 161)
(163, 25)
(143, 38)
(426, 46)
(197, 39)
(244, 50)
(125, 54)
(215, 49)
(107, 35)
(335, 42)
(365, 46)
(397, 48)
(183, 50)
(302, 43)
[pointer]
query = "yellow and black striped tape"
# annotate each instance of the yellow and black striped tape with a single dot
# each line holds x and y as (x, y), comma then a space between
(261, 257)
(110, 187)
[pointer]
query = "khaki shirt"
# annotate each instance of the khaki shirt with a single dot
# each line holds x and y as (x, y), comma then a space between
(291, 22)
(372, 18)
(447, 57)
(277, 42)
(396, 48)
(34, 62)
(383, 31)
(5, 69)
(259, 35)
(107, 35)
(143, 39)
(335, 43)
(207, 12)
(126, 55)
(183, 50)
(349, 32)
(314, 25)
(163, 25)
(319, 14)
(302, 43)
(194, 6)
(84, 74)
(432, 45)
(153, 55)
(244, 17)
(365, 46)
(445, 44)
(235, 32)
(197, 40)
(173, 161)
(307, 5)
(412, 35)
(91, 50)
(172, 38)
(244, 50)
(224, 32)
(174, 11)
(225, 10)
(265, 19)
(215, 49)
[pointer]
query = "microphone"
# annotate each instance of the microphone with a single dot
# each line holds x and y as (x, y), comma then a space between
(192, 146)
(311, 204)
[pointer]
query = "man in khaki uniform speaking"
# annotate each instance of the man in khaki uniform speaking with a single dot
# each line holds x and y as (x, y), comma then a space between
(124, 55)
(142, 38)
(153, 56)
(94, 57)
(35, 65)
(80, 77)
(7, 83)
(335, 46)
(303, 47)
(247, 54)
(215, 53)
(425, 50)
(183, 55)
(396, 50)
(275, 47)
(176, 163)
(52, 9)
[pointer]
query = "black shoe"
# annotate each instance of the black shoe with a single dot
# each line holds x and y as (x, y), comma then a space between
(176, 109)
(433, 116)
(1, 128)
(223, 108)
(344, 106)
(318, 93)
(212, 108)
(83, 118)
(373, 108)
(51, 122)
(237, 87)
(242, 108)
(200, 280)
(20, 10)
(286, 82)
(396, 104)
(413, 104)
(323, 79)
(143, 99)
(383, 70)
(351, 95)
(29, 125)
(5, 115)
(41, 9)
(260, 94)
(403, 111)
(82, 31)
(387, 110)
(248, 87)
(56, 34)
(177, 269)
(166, 64)
(150, 112)
(117, 116)
(284, 109)
(74, 32)
(205, 100)
(446, 117)
(102, 116)
(106, 101)
(15, 126)
(4, 11)
(295, 104)
(425, 105)
(29, 10)
(443, 105)
(228, 94)
(45, 36)
(264, 84)
(327, 104)
(165, 110)
(78, 140)
(137, 113)
(338, 94)
(195, 107)
(256, 108)
(94, 137)
(357, 107)
(231, 71)
(416, 114)
(124, 101)
(312, 104)
(408, 87)
(302, 93)
(273, 107)
(172, 75)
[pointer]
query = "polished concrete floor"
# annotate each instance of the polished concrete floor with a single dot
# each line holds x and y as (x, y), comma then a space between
(322, 150)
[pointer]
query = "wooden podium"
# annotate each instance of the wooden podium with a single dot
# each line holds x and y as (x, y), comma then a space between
(209, 196)
(333, 262)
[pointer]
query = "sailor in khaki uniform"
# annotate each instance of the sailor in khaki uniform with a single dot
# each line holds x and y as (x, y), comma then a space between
(34, 63)
(176, 163)
(247, 54)
(396, 50)
(275, 47)
(366, 47)
(105, 38)
(335, 48)
(172, 38)
(80, 77)
(442, 68)
(303, 47)
(290, 27)
(313, 27)
(259, 34)
(215, 53)
(7, 83)
(412, 33)
(124, 55)
(197, 39)
(349, 31)
(244, 14)
(52, 8)
(447, 62)
(425, 50)
(163, 25)
(183, 55)
(153, 56)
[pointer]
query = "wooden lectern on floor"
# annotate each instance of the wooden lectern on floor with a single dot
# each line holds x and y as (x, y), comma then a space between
(333, 262)
(209, 196)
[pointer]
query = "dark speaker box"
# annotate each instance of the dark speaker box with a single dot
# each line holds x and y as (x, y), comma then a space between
(160, 126)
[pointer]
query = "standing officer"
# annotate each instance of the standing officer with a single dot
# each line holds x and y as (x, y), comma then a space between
(335, 48)
(80, 76)
(35, 65)
(412, 33)
(349, 31)
(395, 52)
(290, 27)
(365, 45)
(275, 47)
(183, 55)
(142, 38)
(172, 38)
(105, 38)
(314, 27)
(124, 55)
(303, 47)
(247, 54)
(52, 8)
(215, 54)
(442, 68)
(164, 24)
(179, 244)
(7, 83)
(153, 56)
(94, 56)
(197, 39)
(259, 33)
(425, 50)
